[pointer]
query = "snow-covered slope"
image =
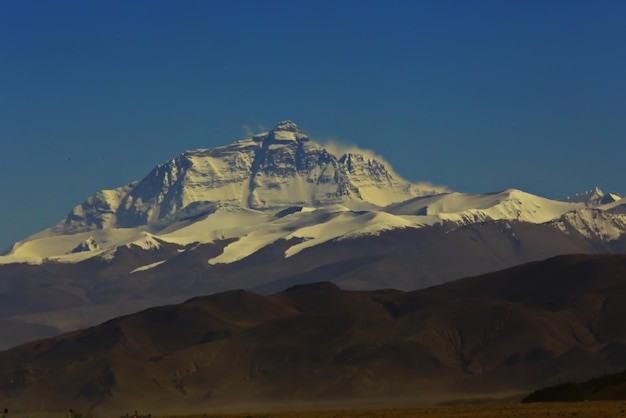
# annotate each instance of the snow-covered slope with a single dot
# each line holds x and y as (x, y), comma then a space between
(305, 227)
(309, 227)
(74, 247)
(466, 208)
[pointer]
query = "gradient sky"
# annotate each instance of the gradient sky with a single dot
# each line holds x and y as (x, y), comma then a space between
(476, 95)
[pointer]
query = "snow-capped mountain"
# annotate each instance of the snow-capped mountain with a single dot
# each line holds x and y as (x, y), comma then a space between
(89, 244)
(274, 210)
(281, 185)
(275, 169)
(250, 178)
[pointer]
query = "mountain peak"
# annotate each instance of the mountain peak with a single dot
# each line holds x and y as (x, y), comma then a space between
(286, 131)
(273, 170)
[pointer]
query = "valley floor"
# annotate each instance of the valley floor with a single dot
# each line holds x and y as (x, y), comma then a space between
(596, 409)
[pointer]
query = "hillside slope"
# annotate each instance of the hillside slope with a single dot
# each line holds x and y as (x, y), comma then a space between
(603, 388)
(489, 335)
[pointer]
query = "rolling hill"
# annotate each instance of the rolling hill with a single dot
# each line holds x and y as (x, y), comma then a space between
(493, 335)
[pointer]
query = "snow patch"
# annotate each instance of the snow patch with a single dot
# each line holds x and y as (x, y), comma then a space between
(347, 225)
(314, 227)
(147, 242)
(148, 266)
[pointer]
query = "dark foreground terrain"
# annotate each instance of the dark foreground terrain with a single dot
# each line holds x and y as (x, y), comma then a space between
(602, 409)
(609, 387)
(499, 335)
(40, 301)
(595, 409)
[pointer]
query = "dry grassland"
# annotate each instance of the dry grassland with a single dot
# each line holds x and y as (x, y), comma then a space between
(597, 409)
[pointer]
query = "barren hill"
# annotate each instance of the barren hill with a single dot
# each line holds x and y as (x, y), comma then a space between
(489, 335)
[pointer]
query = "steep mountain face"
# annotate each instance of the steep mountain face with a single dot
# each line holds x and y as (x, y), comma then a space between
(271, 211)
(276, 169)
(488, 336)
(97, 212)
(609, 387)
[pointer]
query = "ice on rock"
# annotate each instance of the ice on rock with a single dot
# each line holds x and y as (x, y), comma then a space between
(89, 244)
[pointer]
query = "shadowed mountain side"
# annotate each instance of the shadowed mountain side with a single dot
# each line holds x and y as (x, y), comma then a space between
(14, 332)
(498, 333)
(411, 259)
(70, 296)
(609, 387)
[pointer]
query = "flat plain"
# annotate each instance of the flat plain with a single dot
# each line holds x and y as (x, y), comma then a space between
(594, 409)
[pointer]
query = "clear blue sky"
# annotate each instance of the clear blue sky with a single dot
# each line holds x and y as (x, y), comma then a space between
(477, 95)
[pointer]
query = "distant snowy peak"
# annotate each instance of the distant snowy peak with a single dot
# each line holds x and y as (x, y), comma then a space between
(271, 170)
(594, 197)
(464, 208)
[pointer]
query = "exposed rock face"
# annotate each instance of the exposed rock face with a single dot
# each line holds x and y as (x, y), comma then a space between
(89, 244)
(99, 211)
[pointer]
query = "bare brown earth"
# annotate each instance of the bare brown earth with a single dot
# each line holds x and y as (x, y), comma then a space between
(592, 409)
(609, 387)
(597, 409)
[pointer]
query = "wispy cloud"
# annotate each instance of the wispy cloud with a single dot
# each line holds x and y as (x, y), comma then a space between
(339, 148)
(249, 131)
